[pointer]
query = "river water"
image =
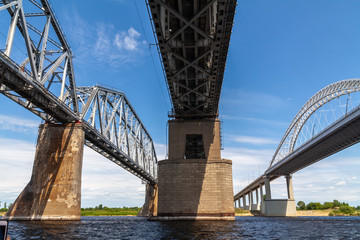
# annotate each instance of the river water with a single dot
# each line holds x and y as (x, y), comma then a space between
(140, 228)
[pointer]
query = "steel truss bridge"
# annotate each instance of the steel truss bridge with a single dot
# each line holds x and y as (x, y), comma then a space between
(328, 123)
(36, 71)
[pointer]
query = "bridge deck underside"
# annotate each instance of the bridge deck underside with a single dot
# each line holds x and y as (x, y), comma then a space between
(193, 39)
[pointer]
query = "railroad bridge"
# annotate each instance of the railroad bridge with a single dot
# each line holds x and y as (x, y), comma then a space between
(194, 183)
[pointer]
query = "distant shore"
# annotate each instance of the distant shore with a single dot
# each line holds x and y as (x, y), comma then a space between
(245, 213)
(301, 213)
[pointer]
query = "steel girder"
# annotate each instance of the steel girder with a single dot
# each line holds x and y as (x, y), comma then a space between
(326, 95)
(43, 82)
(193, 39)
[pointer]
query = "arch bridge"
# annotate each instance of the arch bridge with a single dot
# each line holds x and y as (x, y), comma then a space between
(328, 123)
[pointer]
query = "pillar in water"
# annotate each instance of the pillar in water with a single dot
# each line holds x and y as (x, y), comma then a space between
(195, 183)
(54, 190)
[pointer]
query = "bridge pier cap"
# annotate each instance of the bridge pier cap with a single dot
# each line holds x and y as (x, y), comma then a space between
(195, 183)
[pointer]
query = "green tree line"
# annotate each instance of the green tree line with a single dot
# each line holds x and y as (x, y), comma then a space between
(319, 206)
(340, 208)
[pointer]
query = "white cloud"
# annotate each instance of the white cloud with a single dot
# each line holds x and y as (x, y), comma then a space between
(127, 40)
(103, 43)
(16, 124)
(116, 49)
(341, 183)
(251, 140)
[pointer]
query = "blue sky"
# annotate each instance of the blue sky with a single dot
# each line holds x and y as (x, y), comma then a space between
(281, 53)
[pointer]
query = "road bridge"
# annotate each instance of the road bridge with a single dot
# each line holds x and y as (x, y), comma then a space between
(328, 123)
(44, 83)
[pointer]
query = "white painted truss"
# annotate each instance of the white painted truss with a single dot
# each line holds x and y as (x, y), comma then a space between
(36, 71)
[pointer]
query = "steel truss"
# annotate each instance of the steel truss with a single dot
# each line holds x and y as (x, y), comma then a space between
(36, 71)
(325, 96)
(108, 113)
(47, 64)
(193, 38)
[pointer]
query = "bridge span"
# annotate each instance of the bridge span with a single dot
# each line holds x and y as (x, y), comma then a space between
(297, 151)
(193, 40)
(101, 118)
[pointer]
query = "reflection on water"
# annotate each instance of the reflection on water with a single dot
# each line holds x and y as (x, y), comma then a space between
(140, 228)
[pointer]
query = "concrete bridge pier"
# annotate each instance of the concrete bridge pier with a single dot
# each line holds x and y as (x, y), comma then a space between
(149, 209)
(244, 203)
(262, 201)
(280, 207)
(195, 183)
(54, 190)
(255, 206)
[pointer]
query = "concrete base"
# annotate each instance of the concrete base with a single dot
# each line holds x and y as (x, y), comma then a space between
(149, 209)
(280, 208)
(195, 189)
(54, 190)
(262, 207)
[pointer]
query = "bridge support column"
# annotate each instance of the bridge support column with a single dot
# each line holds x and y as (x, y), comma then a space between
(149, 209)
(256, 206)
(289, 187)
(195, 183)
(54, 190)
(280, 207)
(244, 203)
(262, 201)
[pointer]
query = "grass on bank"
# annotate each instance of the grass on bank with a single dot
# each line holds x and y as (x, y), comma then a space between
(105, 211)
(241, 211)
(345, 211)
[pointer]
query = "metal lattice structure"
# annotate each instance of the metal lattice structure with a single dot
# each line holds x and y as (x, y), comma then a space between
(321, 111)
(193, 39)
(36, 51)
(36, 71)
(108, 112)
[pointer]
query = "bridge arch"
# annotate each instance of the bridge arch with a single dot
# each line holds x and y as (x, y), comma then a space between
(325, 96)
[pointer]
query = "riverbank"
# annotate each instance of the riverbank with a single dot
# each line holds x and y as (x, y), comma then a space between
(299, 213)
(133, 211)
(314, 213)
